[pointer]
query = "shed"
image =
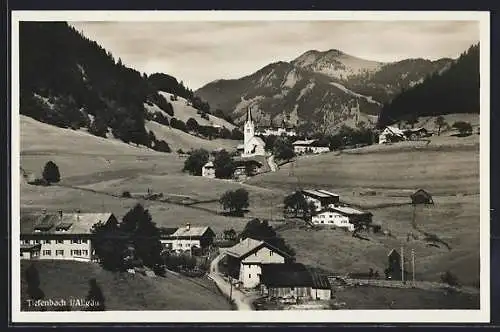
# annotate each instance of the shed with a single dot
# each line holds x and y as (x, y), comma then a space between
(421, 197)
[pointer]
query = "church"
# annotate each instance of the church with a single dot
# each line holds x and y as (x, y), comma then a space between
(252, 145)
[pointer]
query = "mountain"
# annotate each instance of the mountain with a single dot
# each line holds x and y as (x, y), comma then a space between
(70, 81)
(455, 90)
(318, 90)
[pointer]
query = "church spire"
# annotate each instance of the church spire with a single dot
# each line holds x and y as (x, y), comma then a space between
(249, 115)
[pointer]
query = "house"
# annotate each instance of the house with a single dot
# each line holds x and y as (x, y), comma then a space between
(421, 197)
(60, 235)
(187, 238)
(391, 134)
(294, 281)
(309, 146)
(320, 198)
(30, 251)
(246, 258)
(276, 131)
(208, 170)
(341, 216)
(252, 145)
(416, 133)
(245, 167)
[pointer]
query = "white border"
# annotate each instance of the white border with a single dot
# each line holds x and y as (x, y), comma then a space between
(358, 316)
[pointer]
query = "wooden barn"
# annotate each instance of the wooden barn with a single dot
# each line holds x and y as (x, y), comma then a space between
(421, 197)
(293, 281)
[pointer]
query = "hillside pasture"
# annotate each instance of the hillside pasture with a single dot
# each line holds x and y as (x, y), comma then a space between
(124, 291)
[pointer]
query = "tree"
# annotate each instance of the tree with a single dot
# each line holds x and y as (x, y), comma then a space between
(143, 234)
(162, 146)
(192, 125)
(95, 297)
(230, 234)
(33, 281)
(261, 230)
(283, 149)
(464, 128)
(236, 134)
(297, 203)
(224, 165)
(449, 278)
(440, 122)
(51, 172)
(235, 201)
(109, 245)
(99, 127)
(195, 161)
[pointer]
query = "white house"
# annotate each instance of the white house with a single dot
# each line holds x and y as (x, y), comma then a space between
(320, 198)
(184, 239)
(341, 216)
(252, 145)
(309, 146)
(391, 134)
(64, 236)
(246, 258)
(208, 170)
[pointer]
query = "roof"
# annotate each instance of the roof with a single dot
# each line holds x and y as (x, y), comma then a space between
(346, 210)
(243, 247)
(292, 275)
(421, 192)
(67, 223)
(166, 231)
(319, 193)
(304, 142)
(394, 130)
(209, 164)
(191, 231)
(249, 245)
(240, 146)
(393, 251)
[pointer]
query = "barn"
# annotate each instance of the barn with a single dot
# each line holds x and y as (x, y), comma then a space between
(421, 197)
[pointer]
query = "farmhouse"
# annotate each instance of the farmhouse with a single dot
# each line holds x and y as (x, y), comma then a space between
(245, 260)
(341, 216)
(187, 239)
(320, 198)
(208, 170)
(247, 167)
(415, 133)
(421, 197)
(309, 146)
(61, 235)
(391, 134)
(293, 281)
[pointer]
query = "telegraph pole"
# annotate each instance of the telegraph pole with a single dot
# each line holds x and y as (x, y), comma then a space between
(230, 289)
(413, 265)
(402, 264)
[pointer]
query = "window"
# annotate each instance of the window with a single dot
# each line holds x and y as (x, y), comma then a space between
(85, 252)
(47, 252)
(270, 253)
(59, 241)
(76, 241)
(76, 252)
(37, 241)
(45, 241)
(250, 276)
(59, 252)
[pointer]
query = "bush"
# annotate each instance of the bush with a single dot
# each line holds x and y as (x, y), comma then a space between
(51, 172)
(449, 278)
(126, 194)
(162, 146)
(179, 151)
(464, 128)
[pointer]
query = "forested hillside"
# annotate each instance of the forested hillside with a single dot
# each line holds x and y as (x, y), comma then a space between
(70, 81)
(455, 90)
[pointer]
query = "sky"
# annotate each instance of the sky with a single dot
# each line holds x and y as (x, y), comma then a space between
(200, 52)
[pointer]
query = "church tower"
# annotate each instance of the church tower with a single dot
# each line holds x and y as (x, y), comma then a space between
(249, 129)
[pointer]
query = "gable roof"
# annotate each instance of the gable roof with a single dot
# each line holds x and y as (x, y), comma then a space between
(292, 275)
(319, 193)
(209, 165)
(344, 210)
(394, 130)
(65, 223)
(247, 246)
(192, 231)
(421, 192)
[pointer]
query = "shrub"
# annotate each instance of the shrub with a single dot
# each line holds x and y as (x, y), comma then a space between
(126, 194)
(51, 172)
(449, 278)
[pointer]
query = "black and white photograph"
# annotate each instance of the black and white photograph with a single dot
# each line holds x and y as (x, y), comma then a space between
(250, 166)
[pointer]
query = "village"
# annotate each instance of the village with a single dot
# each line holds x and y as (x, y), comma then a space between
(247, 268)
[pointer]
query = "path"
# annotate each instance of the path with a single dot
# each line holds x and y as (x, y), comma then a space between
(241, 300)
(272, 164)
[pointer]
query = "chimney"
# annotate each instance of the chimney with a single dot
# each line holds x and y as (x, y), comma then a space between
(188, 226)
(60, 214)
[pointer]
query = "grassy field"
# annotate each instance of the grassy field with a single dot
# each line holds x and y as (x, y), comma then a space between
(448, 167)
(367, 298)
(123, 291)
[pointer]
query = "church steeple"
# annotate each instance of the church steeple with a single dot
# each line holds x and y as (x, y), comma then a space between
(249, 115)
